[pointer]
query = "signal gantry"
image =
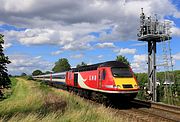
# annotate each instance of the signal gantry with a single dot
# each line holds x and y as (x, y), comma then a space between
(152, 31)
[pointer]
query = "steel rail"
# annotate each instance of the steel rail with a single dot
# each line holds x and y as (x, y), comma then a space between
(168, 112)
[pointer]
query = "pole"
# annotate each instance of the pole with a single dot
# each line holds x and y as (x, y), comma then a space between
(150, 67)
(154, 72)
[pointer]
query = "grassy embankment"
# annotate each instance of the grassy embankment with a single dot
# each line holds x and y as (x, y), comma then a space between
(32, 101)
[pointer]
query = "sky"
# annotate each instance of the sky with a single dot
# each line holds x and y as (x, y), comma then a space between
(39, 32)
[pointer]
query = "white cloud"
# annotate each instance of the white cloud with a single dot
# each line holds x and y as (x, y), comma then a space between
(7, 45)
(175, 31)
(100, 56)
(38, 57)
(44, 36)
(176, 56)
(11, 7)
(66, 38)
(105, 45)
(138, 44)
(76, 56)
(123, 51)
(27, 64)
(68, 23)
(139, 63)
(56, 52)
(79, 44)
(140, 58)
(177, 14)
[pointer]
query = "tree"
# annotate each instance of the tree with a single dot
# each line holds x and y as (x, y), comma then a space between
(61, 65)
(37, 72)
(23, 74)
(122, 59)
(4, 60)
(47, 72)
(82, 64)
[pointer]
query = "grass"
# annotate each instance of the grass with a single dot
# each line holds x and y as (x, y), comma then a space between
(25, 97)
(32, 101)
(80, 110)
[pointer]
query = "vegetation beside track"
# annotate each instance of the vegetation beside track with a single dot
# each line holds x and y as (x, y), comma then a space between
(34, 101)
(7, 92)
(173, 91)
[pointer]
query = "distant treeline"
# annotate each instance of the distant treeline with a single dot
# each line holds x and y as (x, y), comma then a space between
(174, 76)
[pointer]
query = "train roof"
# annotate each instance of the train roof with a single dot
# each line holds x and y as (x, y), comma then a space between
(104, 64)
(53, 74)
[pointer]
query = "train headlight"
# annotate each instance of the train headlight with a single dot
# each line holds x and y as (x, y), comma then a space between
(136, 86)
(118, 86)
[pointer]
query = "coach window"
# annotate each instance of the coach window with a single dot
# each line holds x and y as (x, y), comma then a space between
(103, 74)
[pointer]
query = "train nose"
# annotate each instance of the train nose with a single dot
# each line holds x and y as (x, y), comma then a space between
(126, 83)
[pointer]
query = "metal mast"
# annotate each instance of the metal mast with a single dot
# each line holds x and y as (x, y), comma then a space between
(152, 31)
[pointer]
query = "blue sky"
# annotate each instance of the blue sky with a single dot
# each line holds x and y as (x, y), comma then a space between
(39, 32)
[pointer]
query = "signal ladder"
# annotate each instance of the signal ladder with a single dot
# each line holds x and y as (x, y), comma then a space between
(168, 69)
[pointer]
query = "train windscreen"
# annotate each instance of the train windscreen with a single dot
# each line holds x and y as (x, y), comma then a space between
(121, 72)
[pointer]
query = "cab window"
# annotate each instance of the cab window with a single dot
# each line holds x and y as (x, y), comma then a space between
(121, 72)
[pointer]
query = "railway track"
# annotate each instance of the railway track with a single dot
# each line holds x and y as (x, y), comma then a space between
(144, 111)
(158, 111)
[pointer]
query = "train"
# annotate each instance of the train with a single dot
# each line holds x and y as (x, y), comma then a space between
(111, 78)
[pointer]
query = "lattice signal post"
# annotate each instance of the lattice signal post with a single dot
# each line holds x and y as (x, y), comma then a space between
(152, 31)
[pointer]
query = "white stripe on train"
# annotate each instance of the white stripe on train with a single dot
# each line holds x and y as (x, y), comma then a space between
(84, 86)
